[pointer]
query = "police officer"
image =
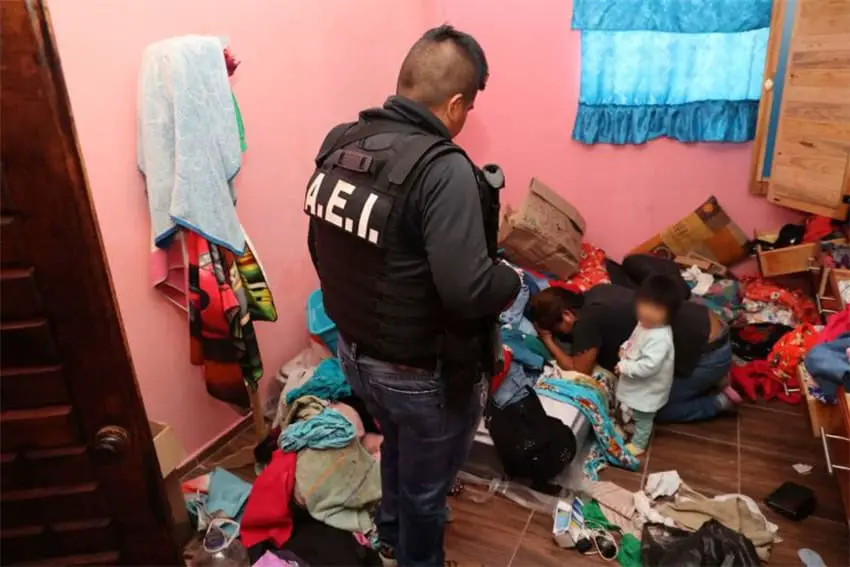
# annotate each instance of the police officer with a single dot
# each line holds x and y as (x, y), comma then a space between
(402, 234)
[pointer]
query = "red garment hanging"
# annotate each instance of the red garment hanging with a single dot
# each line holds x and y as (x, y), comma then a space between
(231, 62)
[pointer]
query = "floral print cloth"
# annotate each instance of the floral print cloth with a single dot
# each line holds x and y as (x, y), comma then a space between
(592, 396)
(802, 308)
(813, 389)
(787, 354)
(591, 271)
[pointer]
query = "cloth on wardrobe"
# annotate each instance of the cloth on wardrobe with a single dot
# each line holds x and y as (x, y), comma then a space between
(226, 295)
(591, 395)
(735, 511)
(340, 486)
(828, 364)
(267, 514)
(316, 426)
(327, 382)
(188, 142)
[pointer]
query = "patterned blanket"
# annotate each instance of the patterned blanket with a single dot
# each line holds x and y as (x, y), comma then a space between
(593, 397)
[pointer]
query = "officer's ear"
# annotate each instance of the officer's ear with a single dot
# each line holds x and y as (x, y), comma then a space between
(458, 106)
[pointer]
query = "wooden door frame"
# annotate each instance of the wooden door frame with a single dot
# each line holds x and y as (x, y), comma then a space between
(758, 184)
(45, 187)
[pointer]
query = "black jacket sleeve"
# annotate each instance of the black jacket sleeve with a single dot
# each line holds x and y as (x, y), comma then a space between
(311, 245)
(470, 283)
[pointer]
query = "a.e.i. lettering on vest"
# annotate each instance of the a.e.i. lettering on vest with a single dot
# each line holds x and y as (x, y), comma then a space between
(356, 210)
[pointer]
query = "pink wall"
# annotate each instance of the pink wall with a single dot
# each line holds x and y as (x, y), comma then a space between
(308, 65)
(524, 119)
(305, 67)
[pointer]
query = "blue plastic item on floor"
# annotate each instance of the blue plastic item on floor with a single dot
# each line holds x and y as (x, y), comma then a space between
(318, 322)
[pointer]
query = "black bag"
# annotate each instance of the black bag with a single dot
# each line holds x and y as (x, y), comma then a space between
(531, 444)
(713, 545)
(641, 266)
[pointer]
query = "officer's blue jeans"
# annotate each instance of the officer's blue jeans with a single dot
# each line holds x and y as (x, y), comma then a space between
(425, 444)
(694, 398)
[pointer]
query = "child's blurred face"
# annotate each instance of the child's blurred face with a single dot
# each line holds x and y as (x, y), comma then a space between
(651, 315)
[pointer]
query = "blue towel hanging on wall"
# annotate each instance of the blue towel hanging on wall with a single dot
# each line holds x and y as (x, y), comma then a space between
(685, 69)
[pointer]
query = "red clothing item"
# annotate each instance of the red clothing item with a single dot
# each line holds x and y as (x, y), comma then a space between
(758, 380)
(267, 514)
(817, 227)
(591, 271)
(837, 324)
(497, 380)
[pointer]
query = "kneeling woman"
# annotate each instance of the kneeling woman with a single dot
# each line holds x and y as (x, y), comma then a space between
(599, 321)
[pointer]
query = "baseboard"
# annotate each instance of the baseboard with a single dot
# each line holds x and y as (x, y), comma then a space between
(206, 451)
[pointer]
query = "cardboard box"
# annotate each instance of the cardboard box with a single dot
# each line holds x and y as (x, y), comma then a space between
(544, 234)
(170, 453)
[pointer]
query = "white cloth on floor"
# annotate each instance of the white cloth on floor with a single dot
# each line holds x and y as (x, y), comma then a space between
(660, 484)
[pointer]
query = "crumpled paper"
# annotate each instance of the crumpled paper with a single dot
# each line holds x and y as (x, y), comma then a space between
(660, 484)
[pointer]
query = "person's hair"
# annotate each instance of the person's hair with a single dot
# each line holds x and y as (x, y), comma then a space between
(431, 74)
(547, 307)
(661, 290)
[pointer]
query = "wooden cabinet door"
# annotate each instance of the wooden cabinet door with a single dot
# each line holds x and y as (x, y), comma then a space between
(811, 165)
(80, 479)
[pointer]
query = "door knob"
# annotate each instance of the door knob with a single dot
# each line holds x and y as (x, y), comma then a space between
(111, 441)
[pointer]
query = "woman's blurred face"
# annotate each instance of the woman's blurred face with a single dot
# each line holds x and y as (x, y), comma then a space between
(568, 321)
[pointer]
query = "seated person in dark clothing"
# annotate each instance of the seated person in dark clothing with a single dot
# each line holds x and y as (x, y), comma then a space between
(599, 321)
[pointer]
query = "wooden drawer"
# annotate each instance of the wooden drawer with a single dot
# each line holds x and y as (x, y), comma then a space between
(788, 260)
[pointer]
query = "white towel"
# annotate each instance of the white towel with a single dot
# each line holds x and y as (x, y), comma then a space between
(188, 144)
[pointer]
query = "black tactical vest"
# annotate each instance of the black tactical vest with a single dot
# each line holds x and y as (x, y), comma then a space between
(357, 199)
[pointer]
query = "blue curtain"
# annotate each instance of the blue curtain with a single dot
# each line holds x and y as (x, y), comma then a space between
(686, 69)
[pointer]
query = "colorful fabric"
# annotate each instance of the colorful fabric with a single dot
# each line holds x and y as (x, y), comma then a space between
(591, 395)
(760, 312)
(591, 271)
(836, 255)
(220, 323)
(327, 383)
(802, 308)
(648, 70)
(813, 388)
(787, 354)
(726, 16)
(724, 298)
(328, 429)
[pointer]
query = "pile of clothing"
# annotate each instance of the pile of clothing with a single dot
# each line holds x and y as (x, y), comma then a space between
(827, 364)
(321, 479)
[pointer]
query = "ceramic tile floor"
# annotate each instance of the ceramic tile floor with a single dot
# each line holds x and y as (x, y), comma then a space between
(751, 453)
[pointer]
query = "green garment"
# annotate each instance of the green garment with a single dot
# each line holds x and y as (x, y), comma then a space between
(242, 143)
(629, 545)
(536, 346)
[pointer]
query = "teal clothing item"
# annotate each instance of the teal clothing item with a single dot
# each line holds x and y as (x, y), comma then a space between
(522, 354)
(227, 495)
(327, 383)
(643, 428)
(536, 346)
(240, 124)
(326, 430)
(721, 16)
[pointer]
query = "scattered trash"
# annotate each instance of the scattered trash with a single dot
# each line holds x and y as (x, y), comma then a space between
(662, 484)
(802, 468)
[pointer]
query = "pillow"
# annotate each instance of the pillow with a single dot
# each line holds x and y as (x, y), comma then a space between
(707, 231)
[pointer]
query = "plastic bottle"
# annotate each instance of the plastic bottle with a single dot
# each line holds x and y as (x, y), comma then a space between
(220, 549)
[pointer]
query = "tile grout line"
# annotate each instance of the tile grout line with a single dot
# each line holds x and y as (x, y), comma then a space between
(521, 537)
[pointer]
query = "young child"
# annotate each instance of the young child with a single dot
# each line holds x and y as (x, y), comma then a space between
(646, 358)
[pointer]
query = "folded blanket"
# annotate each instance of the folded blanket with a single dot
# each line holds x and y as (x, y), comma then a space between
(189, 147)
(339, 487)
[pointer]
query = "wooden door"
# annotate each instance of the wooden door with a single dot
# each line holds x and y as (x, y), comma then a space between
(80, 479)
(811, 167)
